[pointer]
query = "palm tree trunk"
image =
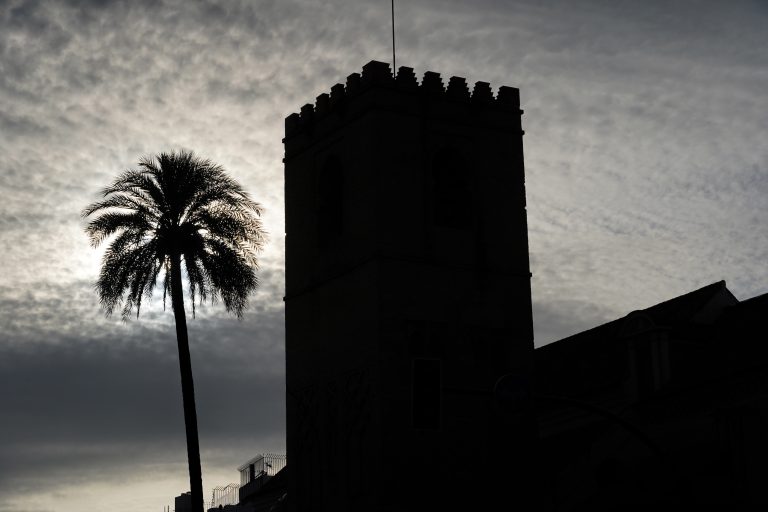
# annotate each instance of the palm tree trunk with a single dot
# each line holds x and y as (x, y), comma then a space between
(187, 386)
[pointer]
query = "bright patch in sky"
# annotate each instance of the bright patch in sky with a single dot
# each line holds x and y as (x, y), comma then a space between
(646, 168)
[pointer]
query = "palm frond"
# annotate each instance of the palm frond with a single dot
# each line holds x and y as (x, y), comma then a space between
(130, 200)
(107, 224)
(230, 274)
(120, 268)
(139, 182)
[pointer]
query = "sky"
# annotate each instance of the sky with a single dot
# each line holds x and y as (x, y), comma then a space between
(646, 167)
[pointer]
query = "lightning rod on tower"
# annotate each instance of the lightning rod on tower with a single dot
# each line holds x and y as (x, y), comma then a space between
(394, 62)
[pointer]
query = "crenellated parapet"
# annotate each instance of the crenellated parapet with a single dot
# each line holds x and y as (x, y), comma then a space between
(431, 93)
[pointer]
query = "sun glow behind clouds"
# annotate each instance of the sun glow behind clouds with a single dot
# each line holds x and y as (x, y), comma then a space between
(646, 178)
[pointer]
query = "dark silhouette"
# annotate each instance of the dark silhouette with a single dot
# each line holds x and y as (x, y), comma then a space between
(412, 380)
(407, 293)
(669, 409)
(177, 210)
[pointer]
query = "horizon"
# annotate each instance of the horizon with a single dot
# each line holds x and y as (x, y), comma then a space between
(645, 161)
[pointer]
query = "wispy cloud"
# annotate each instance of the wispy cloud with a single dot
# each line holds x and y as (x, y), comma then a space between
(646, 177)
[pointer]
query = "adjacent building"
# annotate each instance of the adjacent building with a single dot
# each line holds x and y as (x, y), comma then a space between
(667, 405)
(262, 487)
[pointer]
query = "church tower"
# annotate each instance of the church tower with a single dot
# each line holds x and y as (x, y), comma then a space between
(407, 294)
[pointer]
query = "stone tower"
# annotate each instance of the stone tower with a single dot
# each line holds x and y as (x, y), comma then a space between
(407, 294)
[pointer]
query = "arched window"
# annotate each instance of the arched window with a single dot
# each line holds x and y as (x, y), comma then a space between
(330, 203)
(451, 193)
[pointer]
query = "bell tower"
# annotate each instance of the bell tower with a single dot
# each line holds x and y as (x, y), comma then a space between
(407, 294)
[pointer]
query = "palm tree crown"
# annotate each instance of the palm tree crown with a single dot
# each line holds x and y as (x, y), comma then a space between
(176, 205)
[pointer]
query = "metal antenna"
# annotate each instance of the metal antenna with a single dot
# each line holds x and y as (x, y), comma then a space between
(394, 62)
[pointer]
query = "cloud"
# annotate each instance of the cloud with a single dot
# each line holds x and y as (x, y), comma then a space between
(77, 405)
(555, 319)
(646, 169)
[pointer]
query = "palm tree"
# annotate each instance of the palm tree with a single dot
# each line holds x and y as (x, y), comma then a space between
(177, 212)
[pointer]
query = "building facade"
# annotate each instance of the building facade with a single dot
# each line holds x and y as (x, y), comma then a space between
(407, 294)
(665, 407)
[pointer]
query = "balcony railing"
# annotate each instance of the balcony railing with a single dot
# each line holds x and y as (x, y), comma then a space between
(257, 472)
(227, 495)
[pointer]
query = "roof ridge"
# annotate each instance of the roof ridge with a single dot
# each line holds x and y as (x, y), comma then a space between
(706, 293)
(712, 287)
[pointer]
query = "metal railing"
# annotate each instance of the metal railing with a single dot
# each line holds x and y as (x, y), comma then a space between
(263, 464)
(257, 472)
(227, 495)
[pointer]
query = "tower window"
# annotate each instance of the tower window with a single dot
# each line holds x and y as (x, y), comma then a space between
(426, 393)
(330, 207)
(451, 194)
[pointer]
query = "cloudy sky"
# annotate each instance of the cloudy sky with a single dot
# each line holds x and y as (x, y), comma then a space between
(647, 169)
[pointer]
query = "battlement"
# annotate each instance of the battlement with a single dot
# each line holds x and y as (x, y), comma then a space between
(377, 75)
